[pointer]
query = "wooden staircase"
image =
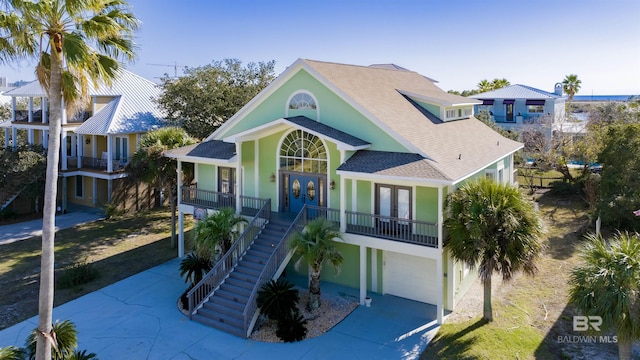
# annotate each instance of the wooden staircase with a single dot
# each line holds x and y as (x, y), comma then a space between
(225, 309)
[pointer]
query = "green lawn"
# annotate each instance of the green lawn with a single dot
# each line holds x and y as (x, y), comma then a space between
(529, 312)
(116, 248)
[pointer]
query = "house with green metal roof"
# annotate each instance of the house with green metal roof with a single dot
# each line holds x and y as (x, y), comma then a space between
(374, 149)
(96, 142)
(516, 106)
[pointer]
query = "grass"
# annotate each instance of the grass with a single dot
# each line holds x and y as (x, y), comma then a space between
(113, 249)
(529, 313)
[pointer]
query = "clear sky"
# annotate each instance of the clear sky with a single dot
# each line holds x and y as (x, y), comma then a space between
(457, 42)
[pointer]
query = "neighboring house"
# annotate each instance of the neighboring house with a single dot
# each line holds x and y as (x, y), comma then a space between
(97, 142)
(517, 106)
(374, 149)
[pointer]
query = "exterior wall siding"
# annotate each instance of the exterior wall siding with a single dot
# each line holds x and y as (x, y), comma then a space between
(349, 274)
(333, 112)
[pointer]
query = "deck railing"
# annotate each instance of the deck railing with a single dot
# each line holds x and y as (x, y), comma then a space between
(272, 265)
(393, 228)
(212, 280)
(218, 200)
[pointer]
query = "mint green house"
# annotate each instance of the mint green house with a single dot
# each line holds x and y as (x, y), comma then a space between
(375, 149)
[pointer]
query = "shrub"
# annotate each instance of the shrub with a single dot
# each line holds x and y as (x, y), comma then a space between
(291, 328)
(112, 210)
(11, 353)
(78, 274)
(67, 338)
(82, 355)
(278, 299)
(193, 267)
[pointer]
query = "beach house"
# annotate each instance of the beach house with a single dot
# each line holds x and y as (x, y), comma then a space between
(96, 142)
(374, 149)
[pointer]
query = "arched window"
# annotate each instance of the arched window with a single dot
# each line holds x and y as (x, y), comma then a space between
(303, 152)
(302, 101)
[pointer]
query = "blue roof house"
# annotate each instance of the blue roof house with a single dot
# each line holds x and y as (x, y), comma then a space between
(516, 106)
(374, 149)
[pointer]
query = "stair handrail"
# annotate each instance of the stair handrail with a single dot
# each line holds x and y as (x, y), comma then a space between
(212, 280)
(10, 197)
(275, 260)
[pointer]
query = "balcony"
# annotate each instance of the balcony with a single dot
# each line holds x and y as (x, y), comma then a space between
(99, 164)
(383, 227)
(22, 116)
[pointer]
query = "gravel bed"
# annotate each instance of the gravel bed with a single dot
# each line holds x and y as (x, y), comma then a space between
(333, 308)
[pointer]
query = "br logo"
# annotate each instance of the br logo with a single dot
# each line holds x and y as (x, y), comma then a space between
(583, 323)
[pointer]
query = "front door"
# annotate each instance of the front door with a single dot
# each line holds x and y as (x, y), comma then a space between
(303, 189)
(509, 111)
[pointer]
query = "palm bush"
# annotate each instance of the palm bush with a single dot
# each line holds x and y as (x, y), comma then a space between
(193, 268)
(291, 328)
(607, 284)
(82, 355)
(11, 353)
(217, 230)
(278, 299)
(493, 226)
(67, 340)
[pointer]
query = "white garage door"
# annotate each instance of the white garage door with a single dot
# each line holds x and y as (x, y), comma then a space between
(410, 277)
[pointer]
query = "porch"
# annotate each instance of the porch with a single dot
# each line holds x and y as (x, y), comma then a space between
(383, 227)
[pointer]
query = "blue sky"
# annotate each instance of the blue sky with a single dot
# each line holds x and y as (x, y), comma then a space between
(457, 42)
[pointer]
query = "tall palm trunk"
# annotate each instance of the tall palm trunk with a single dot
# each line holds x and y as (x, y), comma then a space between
(487, 309)
(45, 300)
(314, 287)
(624, 349)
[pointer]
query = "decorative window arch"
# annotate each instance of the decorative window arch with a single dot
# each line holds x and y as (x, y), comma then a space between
(302, 101)
(303, 152)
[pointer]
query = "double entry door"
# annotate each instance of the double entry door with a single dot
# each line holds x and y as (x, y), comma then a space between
(303, 188)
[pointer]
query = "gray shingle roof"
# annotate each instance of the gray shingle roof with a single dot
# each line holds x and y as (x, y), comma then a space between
(212, 149)
(457, 148)
(327, 131)
(516, 91)
(392, 164)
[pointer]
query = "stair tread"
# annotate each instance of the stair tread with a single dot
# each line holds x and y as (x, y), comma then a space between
(220, 326)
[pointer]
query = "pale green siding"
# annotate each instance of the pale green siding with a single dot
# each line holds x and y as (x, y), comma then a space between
(365, 203)
(333, 196)
(427, 204)
(334, 112)
(267, 154)
(248, 166)
(207, 177)
(434, 109)
(349, 271)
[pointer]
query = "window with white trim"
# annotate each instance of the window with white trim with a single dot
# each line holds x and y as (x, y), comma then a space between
(302, 101)
(303, 152)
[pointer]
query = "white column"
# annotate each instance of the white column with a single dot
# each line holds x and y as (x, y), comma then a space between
(374, 270)
(239, 177)
(64, 114)
(440, 217)
(45, 139)
(63, 150)
(180, 233)
(14, 138)
(180, 213)
(45, 108)
(30, 115)
(109, 154)
(343, 201)
(439, 286)
(363, 273)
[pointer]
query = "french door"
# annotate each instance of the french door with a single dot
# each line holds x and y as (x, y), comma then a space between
(393, 205)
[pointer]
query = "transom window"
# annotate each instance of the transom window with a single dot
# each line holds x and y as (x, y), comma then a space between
(303, 152)
(302, 101)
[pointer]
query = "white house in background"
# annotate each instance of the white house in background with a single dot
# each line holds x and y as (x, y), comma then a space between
(97, 142)
(516, 106)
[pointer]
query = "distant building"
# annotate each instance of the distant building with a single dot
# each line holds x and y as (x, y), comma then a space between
(516, 106)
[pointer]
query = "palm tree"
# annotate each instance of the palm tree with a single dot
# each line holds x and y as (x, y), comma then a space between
(59, 34)
(499, 83)
(607, 284)
(11, 353)
(149, 165)
(484, 86)
(218, 230)
(315, 246)
(493, 226)
(66, 336)
(571, 85)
